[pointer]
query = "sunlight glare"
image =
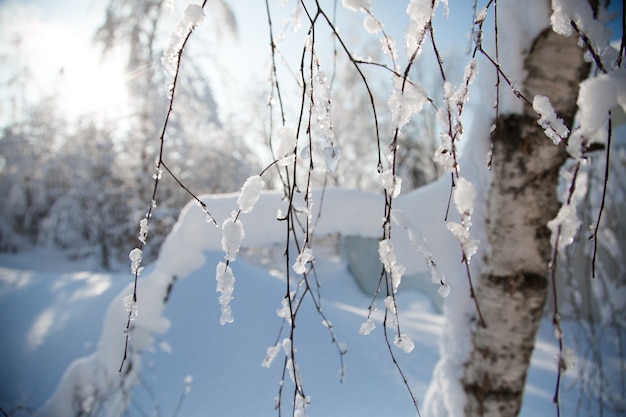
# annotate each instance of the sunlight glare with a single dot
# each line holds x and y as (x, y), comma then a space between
(94, 86)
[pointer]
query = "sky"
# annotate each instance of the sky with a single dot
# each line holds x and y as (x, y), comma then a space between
(56, 46)
(57, 49)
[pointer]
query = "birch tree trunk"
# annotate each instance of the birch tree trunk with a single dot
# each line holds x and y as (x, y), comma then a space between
(514, 284)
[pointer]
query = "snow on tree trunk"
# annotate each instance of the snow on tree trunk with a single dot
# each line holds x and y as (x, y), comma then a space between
(522, 199)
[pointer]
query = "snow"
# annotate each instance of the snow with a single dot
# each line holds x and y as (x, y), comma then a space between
(231, 239)
(404, 343)
(372, 25)
(225, 286)
(202, 349)
(356, 5)
(302, 260)
(194, 15)
(406, 99)
(553, 126)
(285, 145)
(250, 193)
(597, 96)
(135, 261)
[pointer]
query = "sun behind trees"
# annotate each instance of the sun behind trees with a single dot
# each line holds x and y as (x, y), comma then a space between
(544, 81)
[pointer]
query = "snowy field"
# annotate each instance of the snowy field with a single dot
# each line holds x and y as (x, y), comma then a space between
(51, 313)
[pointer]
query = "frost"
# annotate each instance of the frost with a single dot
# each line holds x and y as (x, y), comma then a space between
(392, 183)
(285, 311)
(390, 305)
(404, 343)
(187, 381)
(305, 256)
(566, 223)
(131, 307)
(332, 155)
(462, 234)
(444, 290)
(143, 230)
(389, 47)
(407, 98)
(135, 260)
(232, 235)
(356, 5)
(323, 105)
(367, 327)
(286, 345)
(481, 15)
(165, 347)
(286, 145)
(437, 277)
(388, 259)
(599, 95)
(225, 286)
(461, 95)
(372, 25)
(552, 125)
(194, 14)
(566, 11)
(250, 193)
(444, 155)
(463, 196)
(270, 355)
(420, 12)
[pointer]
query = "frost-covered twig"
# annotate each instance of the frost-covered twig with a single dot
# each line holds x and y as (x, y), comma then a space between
(557, 225)
(594, 234)
(193, 17)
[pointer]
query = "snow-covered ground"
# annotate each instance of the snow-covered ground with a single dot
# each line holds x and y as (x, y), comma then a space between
(51, 313)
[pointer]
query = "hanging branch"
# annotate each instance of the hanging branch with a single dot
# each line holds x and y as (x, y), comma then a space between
(136, 253)
(594, 234)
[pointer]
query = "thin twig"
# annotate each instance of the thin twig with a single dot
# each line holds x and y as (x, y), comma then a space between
(594, 235)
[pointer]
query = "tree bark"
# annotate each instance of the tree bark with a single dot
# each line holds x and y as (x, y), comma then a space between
(522, 199)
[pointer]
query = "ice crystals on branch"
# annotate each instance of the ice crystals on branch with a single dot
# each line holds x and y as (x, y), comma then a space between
(270, 355)
(135, 261)
(481, 15)
(599, 95)
(566, 223)
(194, 15)
(232, 235)
(437, 277)
(372, 25)
(303, 258)
(356, 5)
(143, 230)
(420, 13)
(461, 95)
(250, 193)
(285, 145)
(188, 381)
(225, 286)
(404, 343)
(552, 125)
(131, 307)
(566, 12)
(392, 183)
(367, 327)
(463, 196)
(388, 259)
(285, 311)
(406, 99)
(323, 104)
